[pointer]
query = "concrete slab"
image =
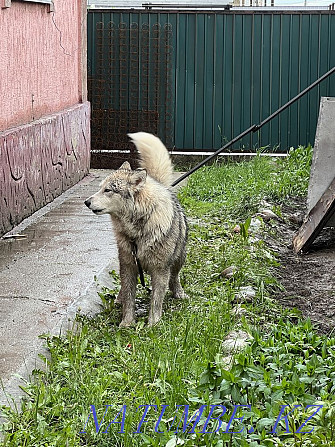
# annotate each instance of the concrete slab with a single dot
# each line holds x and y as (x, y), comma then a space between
(47, 276)
(323, 164)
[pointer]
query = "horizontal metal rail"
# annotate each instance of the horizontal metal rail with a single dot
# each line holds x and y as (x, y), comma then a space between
(185, 6)
(254, 127)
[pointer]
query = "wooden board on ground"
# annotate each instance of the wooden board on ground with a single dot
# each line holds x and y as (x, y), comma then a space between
(323, 164)
(315, 220)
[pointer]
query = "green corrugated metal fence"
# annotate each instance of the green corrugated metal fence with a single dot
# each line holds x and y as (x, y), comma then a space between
(226, 71)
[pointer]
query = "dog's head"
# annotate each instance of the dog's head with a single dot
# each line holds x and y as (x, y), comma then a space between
(117, 190)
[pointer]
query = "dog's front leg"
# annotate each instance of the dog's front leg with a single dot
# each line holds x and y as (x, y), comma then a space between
(128, 276)
(159, 282)
(174, 283)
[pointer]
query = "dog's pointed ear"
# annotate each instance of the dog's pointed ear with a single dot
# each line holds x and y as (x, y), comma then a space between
(139, 177)
(125, 166)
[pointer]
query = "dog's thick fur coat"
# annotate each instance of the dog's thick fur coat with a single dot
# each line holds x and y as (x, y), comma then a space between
(145, 211)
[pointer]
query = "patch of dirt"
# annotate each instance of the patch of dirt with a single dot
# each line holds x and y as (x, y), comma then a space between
(308, 279)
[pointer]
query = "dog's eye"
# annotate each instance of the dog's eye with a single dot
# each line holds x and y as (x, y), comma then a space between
(111, 188)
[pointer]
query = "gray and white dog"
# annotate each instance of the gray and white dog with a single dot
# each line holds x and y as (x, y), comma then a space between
(146, 215)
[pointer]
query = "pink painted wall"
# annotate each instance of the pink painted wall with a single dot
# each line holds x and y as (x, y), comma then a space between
(44, 115)
(40, 160)
(41, 69)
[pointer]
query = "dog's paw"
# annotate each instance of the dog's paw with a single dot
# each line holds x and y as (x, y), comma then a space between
(181, 295)
(126, 323)
(153, 320)
(118, 299)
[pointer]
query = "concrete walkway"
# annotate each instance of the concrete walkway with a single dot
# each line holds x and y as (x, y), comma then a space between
(47, 276)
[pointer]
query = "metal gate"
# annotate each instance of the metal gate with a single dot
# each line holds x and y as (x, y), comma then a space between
(129, 85)
(199, 78)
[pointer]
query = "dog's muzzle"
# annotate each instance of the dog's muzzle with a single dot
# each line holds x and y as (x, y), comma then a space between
(88, 203)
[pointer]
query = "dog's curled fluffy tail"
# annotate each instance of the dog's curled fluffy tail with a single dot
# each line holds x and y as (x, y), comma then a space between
(154, 157)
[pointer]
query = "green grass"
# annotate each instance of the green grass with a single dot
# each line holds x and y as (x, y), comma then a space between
(182, 360)
(236, 189)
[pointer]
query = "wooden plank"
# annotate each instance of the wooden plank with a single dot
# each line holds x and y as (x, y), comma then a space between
(315, 220)
(323, 163)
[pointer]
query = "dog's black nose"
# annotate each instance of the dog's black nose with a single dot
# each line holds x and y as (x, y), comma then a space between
(88, 202)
